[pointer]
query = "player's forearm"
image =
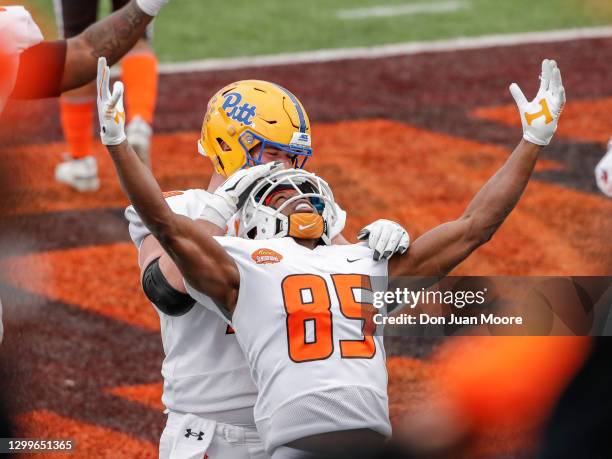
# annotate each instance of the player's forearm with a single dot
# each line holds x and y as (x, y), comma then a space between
(143, 191)
(111, 37)
(200, 259)
(496, 199)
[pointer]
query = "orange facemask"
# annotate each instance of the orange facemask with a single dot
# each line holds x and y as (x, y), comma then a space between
(306, 225)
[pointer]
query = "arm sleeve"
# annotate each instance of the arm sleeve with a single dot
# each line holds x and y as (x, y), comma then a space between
(165, 297)
(41, 69)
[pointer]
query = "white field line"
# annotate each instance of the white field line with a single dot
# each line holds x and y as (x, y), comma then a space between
(375, 52)
(402, 10)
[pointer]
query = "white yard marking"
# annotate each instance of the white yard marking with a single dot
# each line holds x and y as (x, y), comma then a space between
(375, 52)
(402, 10)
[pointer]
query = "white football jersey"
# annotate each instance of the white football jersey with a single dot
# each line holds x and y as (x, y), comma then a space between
(204, 370)
(298, 321)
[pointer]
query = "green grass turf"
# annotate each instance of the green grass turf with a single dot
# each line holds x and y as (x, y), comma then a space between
(197, 29)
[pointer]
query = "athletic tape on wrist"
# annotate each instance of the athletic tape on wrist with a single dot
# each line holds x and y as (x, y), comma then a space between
(151, 7)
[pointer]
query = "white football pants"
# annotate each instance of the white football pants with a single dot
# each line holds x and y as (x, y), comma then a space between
(187, 436)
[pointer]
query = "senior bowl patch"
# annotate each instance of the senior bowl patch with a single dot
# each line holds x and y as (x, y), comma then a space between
(266, 256)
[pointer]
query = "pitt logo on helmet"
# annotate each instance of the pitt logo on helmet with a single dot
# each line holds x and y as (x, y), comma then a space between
(242, 113)
(246, 118)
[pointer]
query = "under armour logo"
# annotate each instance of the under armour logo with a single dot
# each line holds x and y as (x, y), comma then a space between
(545, 112)
(191, 434)
(242, 113)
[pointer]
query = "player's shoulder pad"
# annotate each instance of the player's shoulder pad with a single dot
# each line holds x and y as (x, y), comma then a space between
(359, 249)
(188, 203)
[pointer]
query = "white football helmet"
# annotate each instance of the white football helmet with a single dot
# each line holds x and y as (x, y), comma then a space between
(259, 221)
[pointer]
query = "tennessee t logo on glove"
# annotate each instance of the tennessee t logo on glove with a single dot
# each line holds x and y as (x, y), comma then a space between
(110, 107)
(540, 116)
(544, 112)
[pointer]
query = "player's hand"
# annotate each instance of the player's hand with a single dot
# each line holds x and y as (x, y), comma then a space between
(539, 117)
(386, 238)
(110, 107)
(151, 7)
(232, 193)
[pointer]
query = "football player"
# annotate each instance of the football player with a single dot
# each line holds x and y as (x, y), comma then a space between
(139, 73)
(205, 373)
(31, 68)
(291, 296)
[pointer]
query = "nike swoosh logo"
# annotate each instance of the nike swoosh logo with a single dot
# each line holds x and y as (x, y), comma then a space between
(303, 227)
(354, 260)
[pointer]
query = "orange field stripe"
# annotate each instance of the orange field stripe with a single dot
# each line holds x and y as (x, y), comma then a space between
(422, 179)
(177, 165)
(146, 394)
(91, 441)
(103, 279)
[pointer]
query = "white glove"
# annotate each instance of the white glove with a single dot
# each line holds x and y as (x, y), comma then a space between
(603, 172)
(539, 117)
(386, 238)
(110, 107)
(151, 7)
(232, 193)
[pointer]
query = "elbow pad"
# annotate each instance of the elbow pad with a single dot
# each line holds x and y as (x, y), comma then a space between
(165, 297)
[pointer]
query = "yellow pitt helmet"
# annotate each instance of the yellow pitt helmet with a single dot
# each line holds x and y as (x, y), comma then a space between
(253, 113)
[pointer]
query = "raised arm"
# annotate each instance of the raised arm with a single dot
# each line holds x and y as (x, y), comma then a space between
(438, 251)
(202, 261)
(111, 37)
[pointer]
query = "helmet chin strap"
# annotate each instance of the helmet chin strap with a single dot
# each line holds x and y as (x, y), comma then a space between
(306, 225)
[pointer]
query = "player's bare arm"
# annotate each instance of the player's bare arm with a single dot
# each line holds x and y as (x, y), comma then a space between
(151, 250)
(48, 68)
(111, 37)
(202, 261)
(438, 251)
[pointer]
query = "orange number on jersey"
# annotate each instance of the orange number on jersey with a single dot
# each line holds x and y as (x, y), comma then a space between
(309, 318)
(364, 348)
